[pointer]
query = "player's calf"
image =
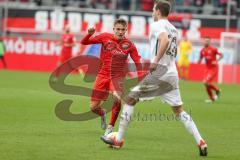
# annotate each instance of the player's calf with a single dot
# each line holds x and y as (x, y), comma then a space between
(116, 107)
(212, 98)
(103, 121)
(102, 113)
(191, 127)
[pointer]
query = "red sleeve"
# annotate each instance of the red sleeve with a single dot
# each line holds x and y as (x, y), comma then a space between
(136, 58)
(88, 39)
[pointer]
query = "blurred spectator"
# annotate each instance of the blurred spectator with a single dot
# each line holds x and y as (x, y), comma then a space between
(24, 1)
(82, 3)
(179, 2)
(234, 5)
(187, 6)
(199, 3)
(63, 3)
(223, 2)
(146, 5)
(108, 3)
(101, 4)
(216, 3)
(124, 4)
(38, 2)
(93, 4)
(188, 2)
(208, 7)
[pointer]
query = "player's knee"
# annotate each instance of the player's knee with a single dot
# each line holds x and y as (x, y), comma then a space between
(117, 104)
(116, 99)
(94, 106)
(177, 110)
(130, 101)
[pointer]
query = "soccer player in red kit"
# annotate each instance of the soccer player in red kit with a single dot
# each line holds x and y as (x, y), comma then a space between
(67, 42)
(210, 53)
(114, 54)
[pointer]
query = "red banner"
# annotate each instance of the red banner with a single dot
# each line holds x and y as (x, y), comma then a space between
(33, 54)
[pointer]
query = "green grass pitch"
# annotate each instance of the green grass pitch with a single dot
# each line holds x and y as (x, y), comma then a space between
(30, 130)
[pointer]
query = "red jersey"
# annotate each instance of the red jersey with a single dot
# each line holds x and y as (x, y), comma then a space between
(114, 54)
(67, 41)
(210, 55)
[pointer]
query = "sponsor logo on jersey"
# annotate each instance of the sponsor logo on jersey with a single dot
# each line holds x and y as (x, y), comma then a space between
(125, 45)
(110, 46)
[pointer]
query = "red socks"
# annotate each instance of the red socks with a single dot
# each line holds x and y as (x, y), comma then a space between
(209, 91)
(115, 112)
(211, 86)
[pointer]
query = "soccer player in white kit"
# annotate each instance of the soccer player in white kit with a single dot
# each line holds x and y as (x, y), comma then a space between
(162, 79)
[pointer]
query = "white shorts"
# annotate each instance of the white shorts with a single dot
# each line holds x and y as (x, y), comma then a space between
(172, 98)
(158, 84)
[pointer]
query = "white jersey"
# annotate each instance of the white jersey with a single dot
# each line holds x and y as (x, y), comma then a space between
(168, 59)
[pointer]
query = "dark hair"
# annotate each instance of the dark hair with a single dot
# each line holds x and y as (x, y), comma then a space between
(120, 21)
(163, 7)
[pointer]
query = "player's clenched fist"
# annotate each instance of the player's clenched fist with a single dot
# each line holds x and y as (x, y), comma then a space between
(91, 31)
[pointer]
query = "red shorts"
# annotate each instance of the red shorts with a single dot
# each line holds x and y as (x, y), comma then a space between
(66, 54)
(210, 74)
(103, 85)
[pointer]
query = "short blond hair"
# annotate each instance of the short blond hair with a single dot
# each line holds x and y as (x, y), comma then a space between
(120, 21)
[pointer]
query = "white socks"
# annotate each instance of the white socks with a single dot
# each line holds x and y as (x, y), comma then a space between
(190, 126)
(126, 117)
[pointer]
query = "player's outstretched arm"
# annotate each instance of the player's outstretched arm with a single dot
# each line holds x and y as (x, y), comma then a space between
(164, 42)
(88, 39)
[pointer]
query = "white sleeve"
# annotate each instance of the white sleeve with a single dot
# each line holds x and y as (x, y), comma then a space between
(159, 29)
